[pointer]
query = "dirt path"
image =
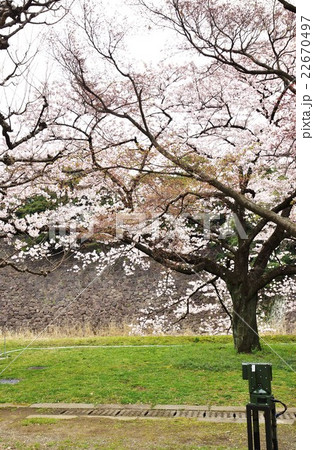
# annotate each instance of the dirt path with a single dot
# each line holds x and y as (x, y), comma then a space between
(18, 432)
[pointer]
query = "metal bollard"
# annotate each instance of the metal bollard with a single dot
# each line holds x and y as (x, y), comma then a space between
(261, 399)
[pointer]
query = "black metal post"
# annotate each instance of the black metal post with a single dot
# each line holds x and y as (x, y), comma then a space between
(268, 428)
(253, 433)
(249, 427)
(257, 444)
(274, 428)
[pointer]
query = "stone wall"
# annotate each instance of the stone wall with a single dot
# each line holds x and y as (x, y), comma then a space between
(83, 299)
(68, 300)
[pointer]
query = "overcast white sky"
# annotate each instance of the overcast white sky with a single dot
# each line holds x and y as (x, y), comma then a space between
(145, 43)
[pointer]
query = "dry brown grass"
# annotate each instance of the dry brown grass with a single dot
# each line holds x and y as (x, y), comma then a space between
(113, 329)
(55, 332)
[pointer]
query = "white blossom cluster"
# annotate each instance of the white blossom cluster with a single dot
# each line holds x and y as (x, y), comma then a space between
(211, 317)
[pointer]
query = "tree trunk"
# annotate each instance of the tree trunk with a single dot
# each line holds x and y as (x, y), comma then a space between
(244, 326)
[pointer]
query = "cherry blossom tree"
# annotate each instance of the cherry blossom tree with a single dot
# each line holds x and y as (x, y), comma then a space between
(192, 164)
(25, 154)
(189, 161)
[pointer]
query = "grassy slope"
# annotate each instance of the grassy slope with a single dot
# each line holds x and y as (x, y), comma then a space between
(200, 370)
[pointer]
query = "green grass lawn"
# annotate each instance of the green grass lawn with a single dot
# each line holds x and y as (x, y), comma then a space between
(194, 370)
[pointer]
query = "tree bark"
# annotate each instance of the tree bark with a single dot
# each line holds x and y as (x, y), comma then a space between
(244, 323)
